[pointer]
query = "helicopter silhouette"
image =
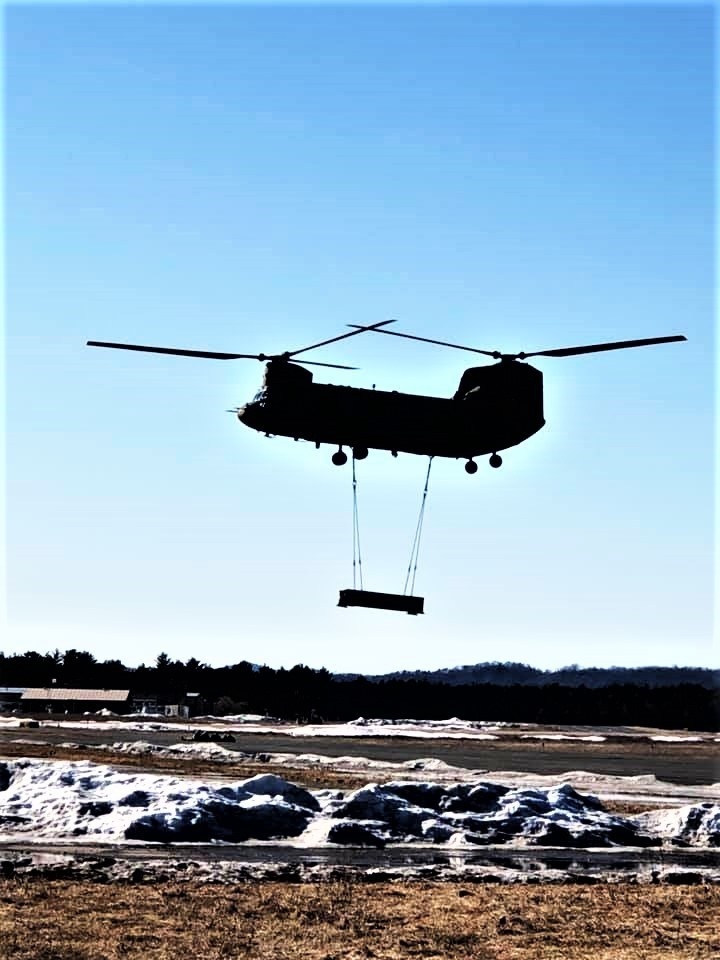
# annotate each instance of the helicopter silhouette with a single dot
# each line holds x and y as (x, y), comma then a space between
(495, 407)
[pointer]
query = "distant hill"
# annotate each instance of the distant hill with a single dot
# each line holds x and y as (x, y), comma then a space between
(508, 674)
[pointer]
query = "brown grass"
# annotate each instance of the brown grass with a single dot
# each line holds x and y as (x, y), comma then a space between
(189, 766)
(54, 920)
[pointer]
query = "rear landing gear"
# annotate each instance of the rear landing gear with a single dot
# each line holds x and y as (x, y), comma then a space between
(360, 453)
(495, 460)
(339, 458)
(471, 467)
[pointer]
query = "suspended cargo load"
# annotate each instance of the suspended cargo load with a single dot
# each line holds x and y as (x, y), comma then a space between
(381, 601)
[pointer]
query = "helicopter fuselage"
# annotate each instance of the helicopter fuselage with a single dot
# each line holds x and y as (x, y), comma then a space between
(496, 406)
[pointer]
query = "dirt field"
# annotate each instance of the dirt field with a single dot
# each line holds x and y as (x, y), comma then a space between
(56, 920)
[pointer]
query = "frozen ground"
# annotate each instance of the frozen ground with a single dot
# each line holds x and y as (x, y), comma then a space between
(440, 817)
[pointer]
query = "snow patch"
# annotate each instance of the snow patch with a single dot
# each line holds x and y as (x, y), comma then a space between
(453, 728)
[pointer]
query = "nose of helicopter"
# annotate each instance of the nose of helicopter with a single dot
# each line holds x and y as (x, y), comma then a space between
(249, 414)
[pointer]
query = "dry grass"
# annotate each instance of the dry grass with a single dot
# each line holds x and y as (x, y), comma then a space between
(53, 920)
(189, 766)
(630, 808)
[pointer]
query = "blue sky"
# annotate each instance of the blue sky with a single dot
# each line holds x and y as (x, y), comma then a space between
(253, 179)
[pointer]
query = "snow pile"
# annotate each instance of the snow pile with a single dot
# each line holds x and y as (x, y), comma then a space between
(482, 813)
(695, 824)
(66, 801)
(46, 800)
(197, 751)
(17, 722)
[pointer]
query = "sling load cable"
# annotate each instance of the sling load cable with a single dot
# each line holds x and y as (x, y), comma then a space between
(357, 558)
(415, 551)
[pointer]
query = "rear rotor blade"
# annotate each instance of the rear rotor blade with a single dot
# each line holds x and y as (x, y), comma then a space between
(441, 343)
(599, 347)
(209, 354)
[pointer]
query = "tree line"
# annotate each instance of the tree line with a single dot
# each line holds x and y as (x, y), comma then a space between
(304, 693)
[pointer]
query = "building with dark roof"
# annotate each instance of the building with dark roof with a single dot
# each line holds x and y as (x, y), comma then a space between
(10, 697)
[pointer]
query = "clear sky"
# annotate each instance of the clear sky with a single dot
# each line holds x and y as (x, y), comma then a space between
(255, 178)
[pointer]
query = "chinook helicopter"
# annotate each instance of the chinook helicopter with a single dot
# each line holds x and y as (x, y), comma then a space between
(495, 406)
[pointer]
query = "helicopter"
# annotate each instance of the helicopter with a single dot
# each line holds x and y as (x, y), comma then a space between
(495, 407)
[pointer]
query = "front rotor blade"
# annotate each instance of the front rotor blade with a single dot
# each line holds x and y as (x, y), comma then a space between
(208, 354)
(441, 343)
(316, 363)
(343, 336)
(599, 347)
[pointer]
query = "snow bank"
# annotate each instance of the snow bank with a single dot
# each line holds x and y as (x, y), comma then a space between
(42, 800)
(241, 718)
(451, 729)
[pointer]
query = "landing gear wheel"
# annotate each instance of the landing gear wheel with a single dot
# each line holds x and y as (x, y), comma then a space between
(360, 452)
(471, 467)
(495, 460)
(339, 458)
